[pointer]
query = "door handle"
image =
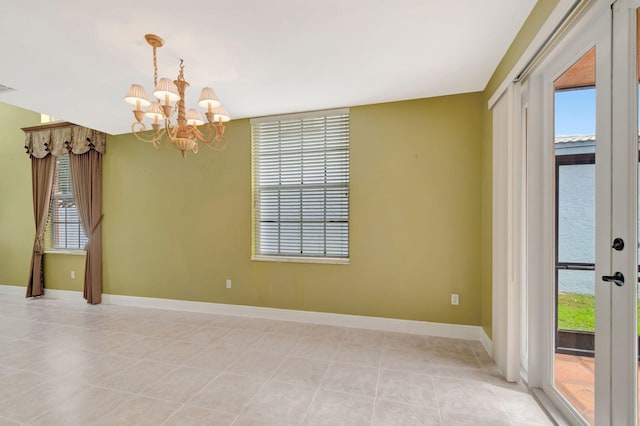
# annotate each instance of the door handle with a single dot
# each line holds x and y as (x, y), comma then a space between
(617, 279)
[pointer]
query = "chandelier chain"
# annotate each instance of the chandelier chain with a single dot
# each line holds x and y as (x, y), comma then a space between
(155, 68)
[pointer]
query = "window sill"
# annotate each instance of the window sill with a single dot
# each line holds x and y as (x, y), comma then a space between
(71, 252)
(287, 259)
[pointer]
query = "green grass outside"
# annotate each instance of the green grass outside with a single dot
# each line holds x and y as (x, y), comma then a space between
(576, 312)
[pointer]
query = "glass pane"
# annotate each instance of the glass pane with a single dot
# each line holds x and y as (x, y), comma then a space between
(576, 300)
(576, 213)
(64, 230)
(575, 113)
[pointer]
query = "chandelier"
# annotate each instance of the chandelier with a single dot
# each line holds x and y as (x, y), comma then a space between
(183, 132)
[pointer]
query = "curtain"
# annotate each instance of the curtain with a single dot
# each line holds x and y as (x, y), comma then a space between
(85, 148)
(86, 180)
(507, 237)
(42, 170)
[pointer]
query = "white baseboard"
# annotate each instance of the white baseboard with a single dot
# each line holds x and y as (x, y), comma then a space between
(343, 320)
(16, 290)
(486, 342)
(13, 290)
(469, 332)
(68, 295)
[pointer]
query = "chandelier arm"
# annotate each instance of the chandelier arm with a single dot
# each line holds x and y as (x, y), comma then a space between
(218, 144)
(207, 137)
(161, 143)
(157, 140)
(138, 127)
(172, 131)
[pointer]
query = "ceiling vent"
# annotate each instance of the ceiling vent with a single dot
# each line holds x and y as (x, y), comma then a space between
(4, 89)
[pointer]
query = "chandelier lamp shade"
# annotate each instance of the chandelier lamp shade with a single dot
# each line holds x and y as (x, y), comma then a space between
(170, 121)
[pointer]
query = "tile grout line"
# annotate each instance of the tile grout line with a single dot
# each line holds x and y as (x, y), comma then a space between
(375, 397)
(501, 403)
(315, 395)
(21, 393)
(172, 367)
(180, 403)
(100, 384)
(435, 394)
(208, 383)
(190, 400)
(244, 409)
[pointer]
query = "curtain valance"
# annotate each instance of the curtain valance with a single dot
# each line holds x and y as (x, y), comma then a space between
(61, 138)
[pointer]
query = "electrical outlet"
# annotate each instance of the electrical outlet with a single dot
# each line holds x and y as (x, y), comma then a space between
(73, 275)
(228, 283)
(455, 299)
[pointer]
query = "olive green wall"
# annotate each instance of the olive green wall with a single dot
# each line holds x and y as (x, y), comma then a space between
(57, 271)
(532, 25)
(17, 229)
(177, 228)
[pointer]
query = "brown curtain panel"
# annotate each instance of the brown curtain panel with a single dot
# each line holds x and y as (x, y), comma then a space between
(42, 170)
(86, 179)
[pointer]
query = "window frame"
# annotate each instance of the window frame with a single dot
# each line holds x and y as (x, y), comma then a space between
(288, 258)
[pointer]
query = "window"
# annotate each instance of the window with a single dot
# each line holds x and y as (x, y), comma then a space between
(301, 186)
(64, 223)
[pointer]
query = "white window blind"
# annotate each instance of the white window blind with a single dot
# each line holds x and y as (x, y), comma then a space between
(64, 222)
(301, 185)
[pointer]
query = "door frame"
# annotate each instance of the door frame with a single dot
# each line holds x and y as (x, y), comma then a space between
(624, 223)
(588, 30)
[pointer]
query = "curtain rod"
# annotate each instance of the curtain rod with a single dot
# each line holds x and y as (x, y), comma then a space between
(556, 34)
(45, 126)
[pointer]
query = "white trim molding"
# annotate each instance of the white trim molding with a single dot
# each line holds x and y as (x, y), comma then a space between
(486, 342)
(300, 259)
(299, 115)
(456, 331)
(13, 290)
(66, 252)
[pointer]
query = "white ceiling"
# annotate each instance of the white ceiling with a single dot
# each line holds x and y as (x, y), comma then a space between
(75, 60)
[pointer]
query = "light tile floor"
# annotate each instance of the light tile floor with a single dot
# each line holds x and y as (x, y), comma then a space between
(64, 363)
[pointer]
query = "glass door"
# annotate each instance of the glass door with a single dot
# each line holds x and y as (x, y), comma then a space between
(582, 172)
